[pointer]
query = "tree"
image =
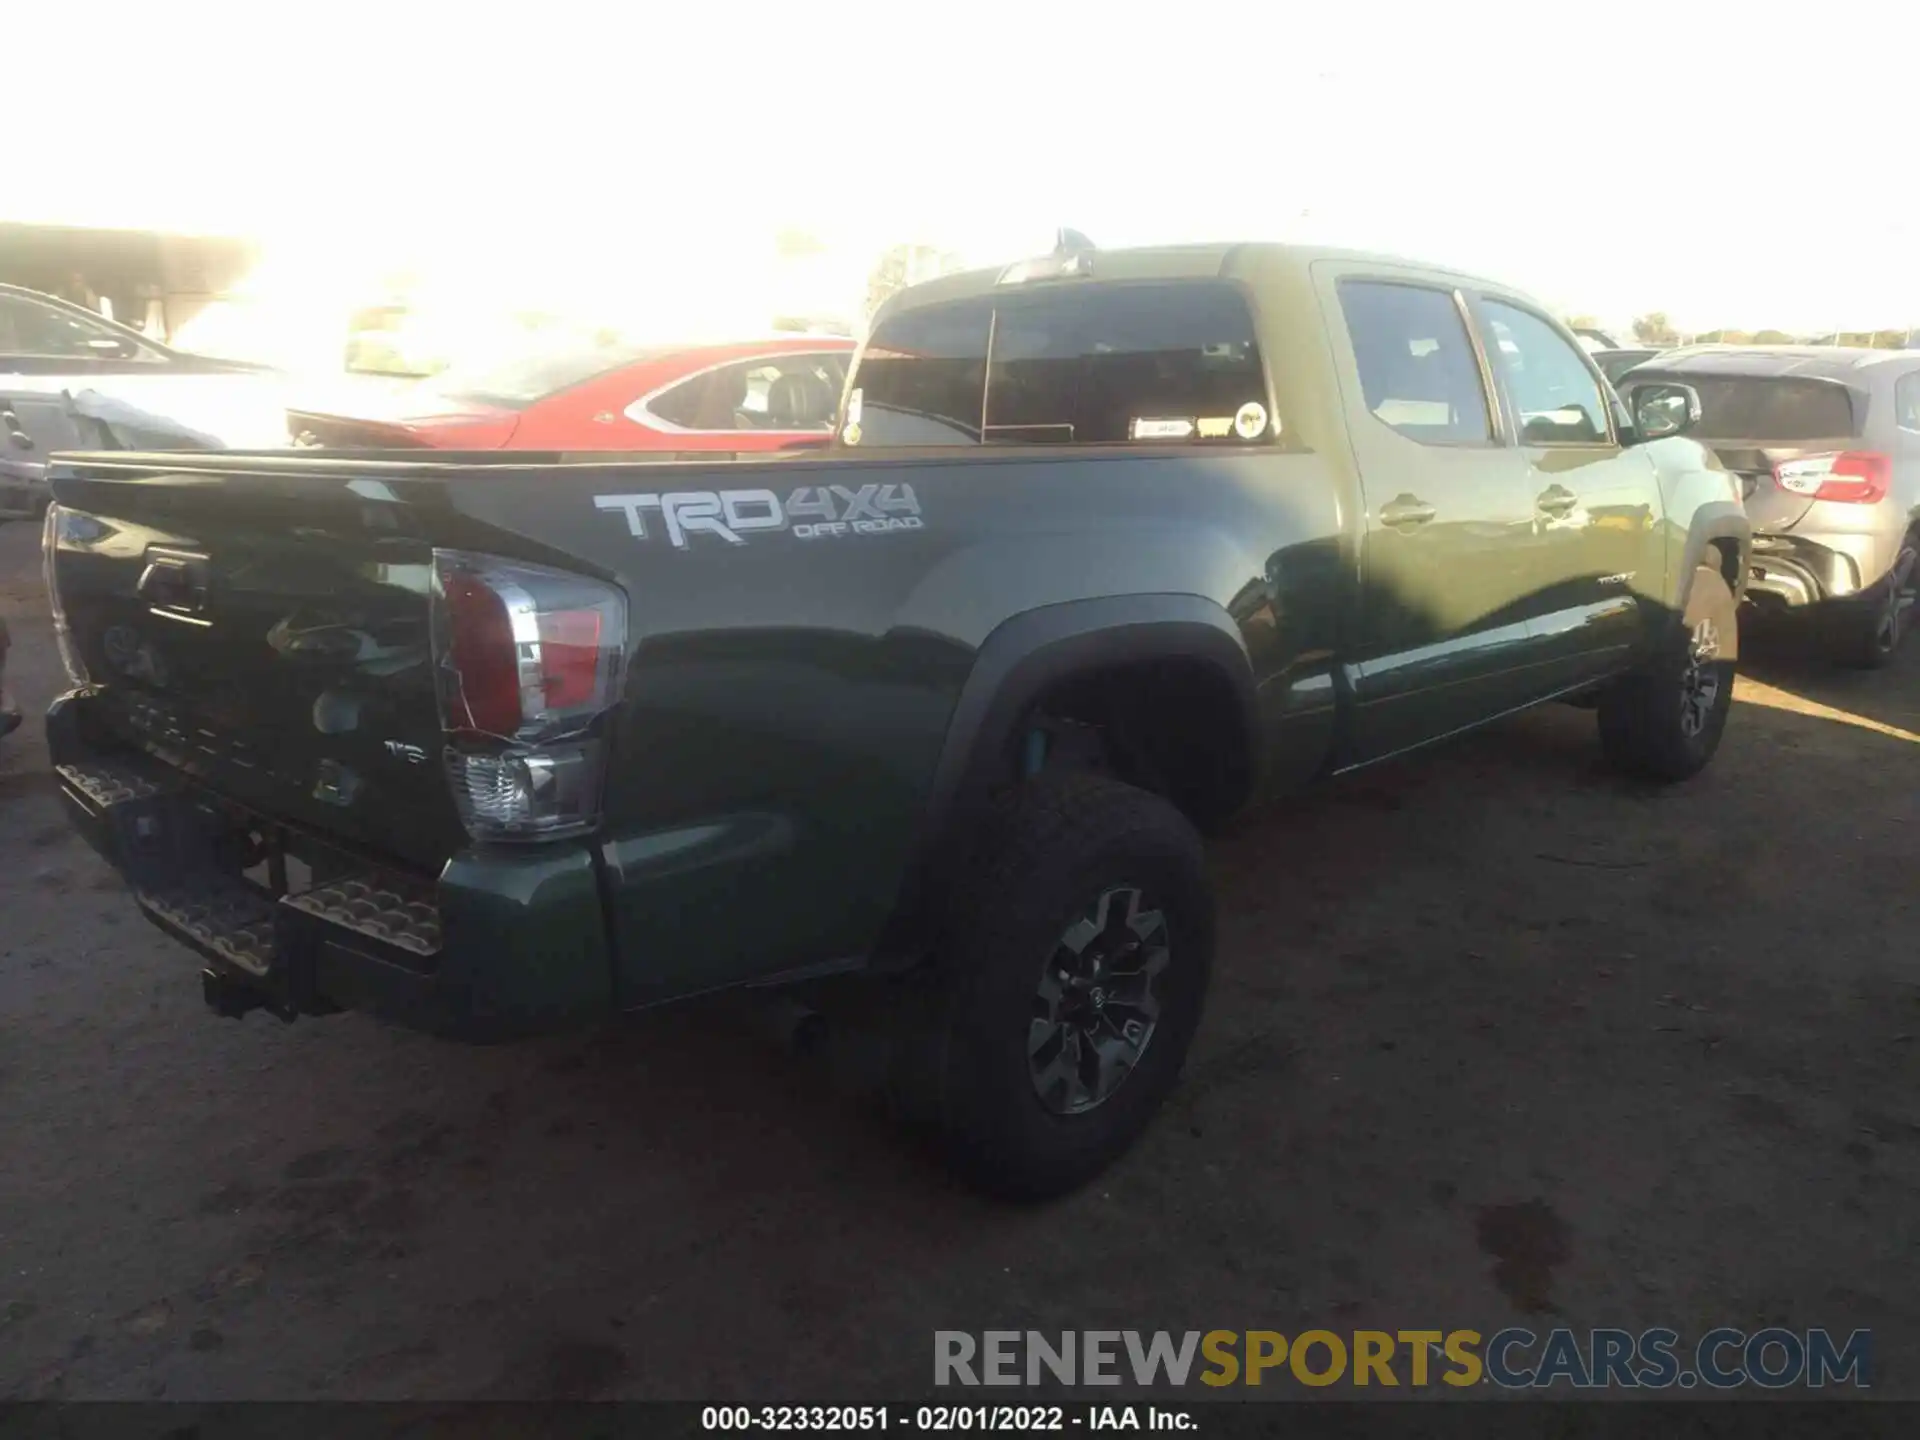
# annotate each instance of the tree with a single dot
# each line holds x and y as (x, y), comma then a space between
(1653, 329)
(902, 265)
(1773, 337)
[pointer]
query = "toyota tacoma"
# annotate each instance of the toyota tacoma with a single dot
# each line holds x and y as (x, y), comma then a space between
(1108, 545)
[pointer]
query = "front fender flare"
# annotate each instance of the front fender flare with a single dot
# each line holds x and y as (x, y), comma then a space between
(1713, 521)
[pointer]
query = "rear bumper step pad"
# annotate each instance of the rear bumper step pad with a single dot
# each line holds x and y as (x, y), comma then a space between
(369, 938)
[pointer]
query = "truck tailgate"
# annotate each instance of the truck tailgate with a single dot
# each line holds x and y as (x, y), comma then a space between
(268, 634)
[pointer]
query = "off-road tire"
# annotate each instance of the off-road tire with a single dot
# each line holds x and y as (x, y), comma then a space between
(1644, 726)
(1866, 633)
(1052, 849)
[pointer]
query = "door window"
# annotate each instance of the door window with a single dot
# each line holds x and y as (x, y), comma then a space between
(782, 392)
(1558, 399)
(1416, 361)
(28, 328)
(1906, 401)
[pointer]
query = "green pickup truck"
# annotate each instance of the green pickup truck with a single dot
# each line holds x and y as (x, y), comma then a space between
(1108, 545)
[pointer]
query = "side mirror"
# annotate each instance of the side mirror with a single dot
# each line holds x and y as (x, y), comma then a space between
(1662, 409)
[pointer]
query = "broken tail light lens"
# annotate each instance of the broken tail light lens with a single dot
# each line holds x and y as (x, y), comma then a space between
(526, 661)
(1856, 477)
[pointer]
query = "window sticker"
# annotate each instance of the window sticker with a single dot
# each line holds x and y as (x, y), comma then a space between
(1166, 429)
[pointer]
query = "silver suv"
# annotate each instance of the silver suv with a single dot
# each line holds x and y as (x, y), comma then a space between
(1826, 441)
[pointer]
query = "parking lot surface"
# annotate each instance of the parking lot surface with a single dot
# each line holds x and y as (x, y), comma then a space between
(1495, 1038)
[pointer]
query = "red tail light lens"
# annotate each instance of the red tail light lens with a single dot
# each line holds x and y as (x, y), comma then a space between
(525, 661)
(481, 653)
(1856, 477)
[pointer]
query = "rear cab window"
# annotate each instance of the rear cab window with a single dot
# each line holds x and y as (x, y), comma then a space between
(1073, 363)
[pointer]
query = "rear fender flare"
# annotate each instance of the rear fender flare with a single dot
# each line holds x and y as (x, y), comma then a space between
(1017, 663)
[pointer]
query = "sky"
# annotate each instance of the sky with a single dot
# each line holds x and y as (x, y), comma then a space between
(1723, 164)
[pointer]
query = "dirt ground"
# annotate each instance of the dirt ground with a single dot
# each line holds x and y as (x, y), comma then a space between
(1495, 1037)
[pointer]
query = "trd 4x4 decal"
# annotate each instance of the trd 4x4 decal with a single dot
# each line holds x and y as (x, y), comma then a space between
(813, 512)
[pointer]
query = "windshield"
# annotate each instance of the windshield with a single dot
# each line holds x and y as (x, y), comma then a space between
(1085, 364)
(517, 382)
(1781, 409)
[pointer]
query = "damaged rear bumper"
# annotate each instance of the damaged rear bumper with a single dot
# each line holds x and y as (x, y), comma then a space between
(1792, 572)
(492, 948)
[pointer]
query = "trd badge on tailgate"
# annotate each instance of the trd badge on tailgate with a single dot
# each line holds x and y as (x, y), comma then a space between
(813, 512)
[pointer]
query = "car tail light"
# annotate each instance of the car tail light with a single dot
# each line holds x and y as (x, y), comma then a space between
(526, 661)
(58, 523)
(1858, 477)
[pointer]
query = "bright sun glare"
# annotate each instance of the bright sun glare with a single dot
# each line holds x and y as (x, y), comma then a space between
(1644, 156)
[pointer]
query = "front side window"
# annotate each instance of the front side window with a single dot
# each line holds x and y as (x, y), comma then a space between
(28, 328)
(1558, 400)
(1416, 362)
(782, 392)
(1076, 364)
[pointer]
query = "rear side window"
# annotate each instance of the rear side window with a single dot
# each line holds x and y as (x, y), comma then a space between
(1079, 364)
(780, 392)
(1416, 362)
(28, 328)
(1906, 401)
(1785, 409)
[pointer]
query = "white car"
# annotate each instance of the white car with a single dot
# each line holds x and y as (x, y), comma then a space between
(74, 380)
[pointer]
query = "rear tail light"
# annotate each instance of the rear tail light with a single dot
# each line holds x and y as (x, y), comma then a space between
(58, 524)
(526, 661)
(1857, 477)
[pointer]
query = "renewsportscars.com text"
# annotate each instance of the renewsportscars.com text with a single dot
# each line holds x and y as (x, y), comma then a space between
(1515, 1358)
